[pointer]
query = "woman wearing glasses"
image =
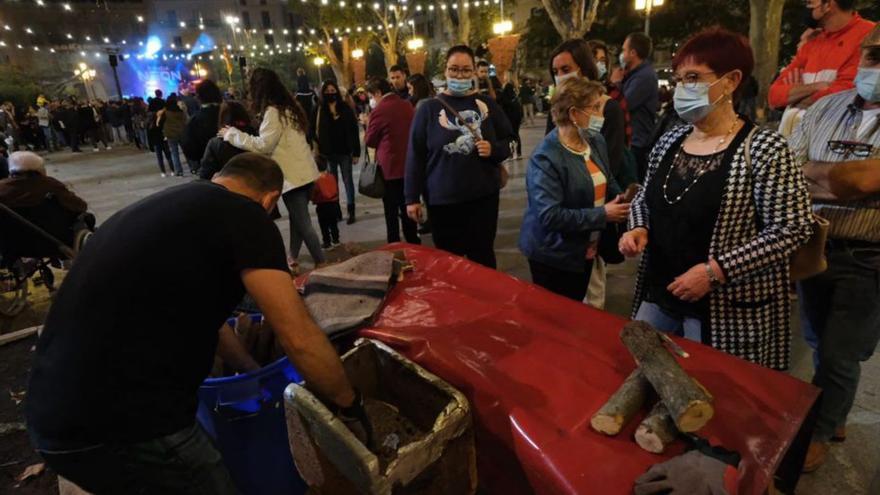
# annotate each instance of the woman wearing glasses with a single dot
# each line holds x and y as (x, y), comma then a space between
(457, 143)
(572, 194)
(717, 229)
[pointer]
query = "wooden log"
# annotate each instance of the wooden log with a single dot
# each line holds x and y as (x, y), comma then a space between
(8, 338)
(689, 405)
(657, 430)
(623, 405)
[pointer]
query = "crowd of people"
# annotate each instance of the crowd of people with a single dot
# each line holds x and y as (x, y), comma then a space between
(714, 204)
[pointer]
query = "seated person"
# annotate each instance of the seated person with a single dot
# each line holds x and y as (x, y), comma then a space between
(45, 202)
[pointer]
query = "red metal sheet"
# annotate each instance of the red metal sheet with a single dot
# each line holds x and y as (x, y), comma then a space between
(536, 367)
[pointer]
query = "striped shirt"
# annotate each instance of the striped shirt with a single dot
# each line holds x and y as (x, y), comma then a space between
(838, 117)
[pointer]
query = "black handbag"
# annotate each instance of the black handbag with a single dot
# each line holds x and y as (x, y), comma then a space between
(371, 183)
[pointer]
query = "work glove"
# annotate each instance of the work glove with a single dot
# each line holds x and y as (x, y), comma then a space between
(692, 473)
(355, 418)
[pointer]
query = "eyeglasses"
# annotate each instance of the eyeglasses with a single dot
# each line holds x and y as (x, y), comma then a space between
(590, 109)
(690, 79)
(851, 148)
(460, 71)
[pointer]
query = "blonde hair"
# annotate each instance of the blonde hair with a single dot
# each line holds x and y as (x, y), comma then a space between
(577, 92)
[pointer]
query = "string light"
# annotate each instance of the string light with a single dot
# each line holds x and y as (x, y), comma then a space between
(67, 7)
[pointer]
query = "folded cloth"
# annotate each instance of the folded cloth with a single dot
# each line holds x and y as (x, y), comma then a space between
(342, 297)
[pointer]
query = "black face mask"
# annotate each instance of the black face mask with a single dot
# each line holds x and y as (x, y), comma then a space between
(809, 20)
(331, 97)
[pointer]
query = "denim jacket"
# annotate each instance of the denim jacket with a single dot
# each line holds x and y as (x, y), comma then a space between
(561, 214)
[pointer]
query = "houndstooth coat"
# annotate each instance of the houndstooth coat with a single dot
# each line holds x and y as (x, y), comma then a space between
(764, 217)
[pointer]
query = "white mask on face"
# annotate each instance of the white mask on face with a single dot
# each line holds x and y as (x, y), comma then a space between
(565, 77)
(373, 103)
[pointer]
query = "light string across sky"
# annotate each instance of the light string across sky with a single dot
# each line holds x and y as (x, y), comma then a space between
(122, 46)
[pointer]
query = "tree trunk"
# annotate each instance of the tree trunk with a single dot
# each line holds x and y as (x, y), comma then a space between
(764, 33)
(574, 21)
(657, 430)
(464, 24)
(337, 64)
(623, 405)
(689, 404)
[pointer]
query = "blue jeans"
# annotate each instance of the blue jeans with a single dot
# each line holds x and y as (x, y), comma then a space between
(301, 229)
(840, 311)
(337, 163)
(49, 136)
(665, 321)
(185, 462)
(174, 148)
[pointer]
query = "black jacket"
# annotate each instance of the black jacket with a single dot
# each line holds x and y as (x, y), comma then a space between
(199, 130)
(217, 153)
(336, 137)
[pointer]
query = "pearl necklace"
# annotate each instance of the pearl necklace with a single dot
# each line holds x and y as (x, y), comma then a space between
(699, 173)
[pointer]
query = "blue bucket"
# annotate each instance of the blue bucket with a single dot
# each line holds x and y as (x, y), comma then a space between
(244, 414)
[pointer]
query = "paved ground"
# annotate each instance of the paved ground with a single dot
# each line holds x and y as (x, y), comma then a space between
(114, 179)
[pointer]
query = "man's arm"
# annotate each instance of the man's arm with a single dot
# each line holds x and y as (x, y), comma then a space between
(780, 94)
(233, 353)
(305, 343)
(843, 181)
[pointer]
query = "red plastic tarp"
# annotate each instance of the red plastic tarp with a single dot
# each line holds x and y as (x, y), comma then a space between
(535, 367)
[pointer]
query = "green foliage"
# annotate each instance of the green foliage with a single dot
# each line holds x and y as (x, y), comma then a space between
(20, 87)
(537, 43)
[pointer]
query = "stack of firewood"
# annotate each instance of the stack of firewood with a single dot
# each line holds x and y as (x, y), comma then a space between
(682, 404)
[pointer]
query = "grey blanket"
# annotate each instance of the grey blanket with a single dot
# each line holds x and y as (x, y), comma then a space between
(344, 296)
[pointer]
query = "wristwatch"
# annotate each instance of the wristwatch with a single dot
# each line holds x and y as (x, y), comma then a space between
(714, 281)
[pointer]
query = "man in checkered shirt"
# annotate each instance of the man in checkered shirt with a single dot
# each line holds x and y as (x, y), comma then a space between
(838, 142)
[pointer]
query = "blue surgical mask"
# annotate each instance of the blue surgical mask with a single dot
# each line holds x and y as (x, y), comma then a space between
(622, 63)
(603, 69)
(596, 123)
(565, 77)
(868, 84)
(459, 87)
(692, 104)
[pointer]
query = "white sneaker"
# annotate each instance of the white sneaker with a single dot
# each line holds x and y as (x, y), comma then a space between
(96, 150)
(162, 174)
(109, 148)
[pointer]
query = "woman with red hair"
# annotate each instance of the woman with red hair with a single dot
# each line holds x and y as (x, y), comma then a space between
(723, 208)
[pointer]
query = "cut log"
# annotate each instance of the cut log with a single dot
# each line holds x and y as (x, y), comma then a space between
(689, 405)
(657, 430)
(623, 405)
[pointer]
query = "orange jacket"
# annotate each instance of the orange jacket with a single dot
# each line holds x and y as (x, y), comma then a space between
(326, 189)
(829, 57)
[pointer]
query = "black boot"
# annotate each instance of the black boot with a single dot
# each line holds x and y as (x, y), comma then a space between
(351, 216)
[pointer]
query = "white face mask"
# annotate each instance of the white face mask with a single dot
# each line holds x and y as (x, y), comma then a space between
(373, 103)
(596, 123)
(565, 77)
(603, 69)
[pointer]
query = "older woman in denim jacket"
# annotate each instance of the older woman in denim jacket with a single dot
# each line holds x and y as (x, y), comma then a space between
(572, 194)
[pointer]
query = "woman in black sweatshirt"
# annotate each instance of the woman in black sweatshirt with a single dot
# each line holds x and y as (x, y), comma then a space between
(335, 132)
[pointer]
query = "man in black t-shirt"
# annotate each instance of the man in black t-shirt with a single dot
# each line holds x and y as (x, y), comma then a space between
(132, 334)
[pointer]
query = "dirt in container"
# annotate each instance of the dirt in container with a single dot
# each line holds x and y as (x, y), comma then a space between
(391, 430)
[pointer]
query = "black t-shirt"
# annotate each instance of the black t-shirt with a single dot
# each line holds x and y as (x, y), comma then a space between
(134, 327)
(681, 233)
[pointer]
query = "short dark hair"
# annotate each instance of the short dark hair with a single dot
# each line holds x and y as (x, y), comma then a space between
(158, 93)
(460, 49)
(397, 68)
(722, 50)
(872, 53)
(483, 63)
(846, 5)
(259, 172)
(208, 92)
(233, 113)
(581, 53)
(596, 45)
(379, 84)
(641, 43)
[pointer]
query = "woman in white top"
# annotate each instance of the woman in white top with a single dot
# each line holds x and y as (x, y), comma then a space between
(282, 136)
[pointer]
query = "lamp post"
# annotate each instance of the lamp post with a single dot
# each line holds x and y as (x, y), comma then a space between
(647, 6)
(318, 61)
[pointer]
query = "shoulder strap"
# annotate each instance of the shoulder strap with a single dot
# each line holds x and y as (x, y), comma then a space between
(748, 148)
(457, 115)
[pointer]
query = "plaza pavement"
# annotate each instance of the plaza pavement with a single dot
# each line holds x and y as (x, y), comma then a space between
(110, 180)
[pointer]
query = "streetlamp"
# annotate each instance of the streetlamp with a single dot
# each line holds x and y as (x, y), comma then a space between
(415, 44)
(357, 54)
(318, 61)
(87, 75)
(647, 6)
(502, 28)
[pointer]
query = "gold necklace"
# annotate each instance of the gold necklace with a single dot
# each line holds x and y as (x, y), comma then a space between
(699, 173)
